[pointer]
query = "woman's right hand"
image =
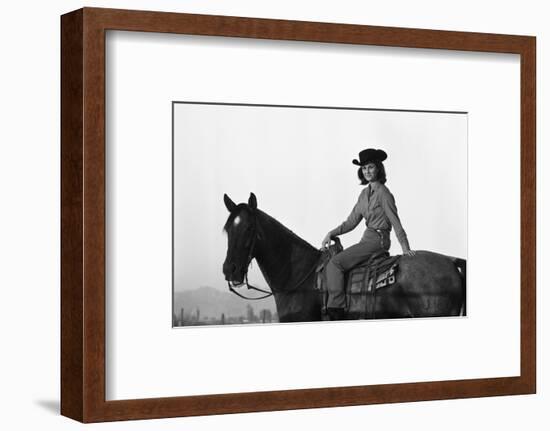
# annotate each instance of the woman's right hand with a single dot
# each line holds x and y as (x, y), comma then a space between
(326, 241)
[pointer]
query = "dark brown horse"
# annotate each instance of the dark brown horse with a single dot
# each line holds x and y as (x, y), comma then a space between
(427, 285)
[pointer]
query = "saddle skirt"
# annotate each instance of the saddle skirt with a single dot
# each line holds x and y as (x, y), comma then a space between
(361, 282)
(364, 280)
(374, 274)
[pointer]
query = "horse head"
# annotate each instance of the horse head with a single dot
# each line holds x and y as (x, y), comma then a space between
(287, 262)
(242, 233)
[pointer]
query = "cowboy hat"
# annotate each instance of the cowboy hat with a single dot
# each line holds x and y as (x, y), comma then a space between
(370, 155)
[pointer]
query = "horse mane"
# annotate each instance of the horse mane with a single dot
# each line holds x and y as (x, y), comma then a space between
(267, 220)
(271, 221)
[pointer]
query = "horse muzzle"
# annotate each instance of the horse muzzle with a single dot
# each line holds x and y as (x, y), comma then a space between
(231, 274)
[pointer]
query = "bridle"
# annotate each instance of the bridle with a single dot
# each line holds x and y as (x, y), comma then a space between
(249, 261)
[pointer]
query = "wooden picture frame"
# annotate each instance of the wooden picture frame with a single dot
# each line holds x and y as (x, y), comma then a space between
(83, 214)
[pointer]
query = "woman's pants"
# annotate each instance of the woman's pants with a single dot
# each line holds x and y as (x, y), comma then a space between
(371, 242)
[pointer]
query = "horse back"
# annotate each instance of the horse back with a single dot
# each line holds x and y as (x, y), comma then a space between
(426, 285)
(432, 272)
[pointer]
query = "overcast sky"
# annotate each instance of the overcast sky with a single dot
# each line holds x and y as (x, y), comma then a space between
(298, 163)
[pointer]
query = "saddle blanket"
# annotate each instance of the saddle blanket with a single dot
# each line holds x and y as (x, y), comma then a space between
(363, 282)
(358, 281)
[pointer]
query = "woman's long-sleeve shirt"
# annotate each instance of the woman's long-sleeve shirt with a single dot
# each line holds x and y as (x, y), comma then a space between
(379, 212)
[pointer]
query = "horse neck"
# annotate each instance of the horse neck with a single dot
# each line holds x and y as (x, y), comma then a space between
(283, 257)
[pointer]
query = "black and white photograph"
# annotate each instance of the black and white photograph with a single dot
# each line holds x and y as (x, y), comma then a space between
(314, 213)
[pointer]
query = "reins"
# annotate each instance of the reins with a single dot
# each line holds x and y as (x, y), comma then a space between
(250, 286)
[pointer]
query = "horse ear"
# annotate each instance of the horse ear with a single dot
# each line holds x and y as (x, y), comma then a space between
(252, 201)
(230, 205)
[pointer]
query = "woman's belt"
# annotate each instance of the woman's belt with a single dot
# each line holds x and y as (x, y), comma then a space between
(379, 231)
(381, 234)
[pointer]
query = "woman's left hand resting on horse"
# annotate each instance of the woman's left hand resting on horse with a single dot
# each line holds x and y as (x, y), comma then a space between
(409, 253)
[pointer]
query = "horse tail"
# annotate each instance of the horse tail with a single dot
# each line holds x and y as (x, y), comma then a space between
(461, 267)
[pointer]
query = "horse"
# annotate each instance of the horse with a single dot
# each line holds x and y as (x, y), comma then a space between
(427, 284)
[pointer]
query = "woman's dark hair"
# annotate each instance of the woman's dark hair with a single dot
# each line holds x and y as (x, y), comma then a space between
(381, 177)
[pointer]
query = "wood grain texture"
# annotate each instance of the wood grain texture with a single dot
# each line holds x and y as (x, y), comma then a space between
(258, 28)
(528, 216)
(83, 214)
(94, 216)
(72, 304)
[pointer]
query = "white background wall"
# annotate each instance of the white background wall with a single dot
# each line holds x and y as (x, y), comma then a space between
(29, 229)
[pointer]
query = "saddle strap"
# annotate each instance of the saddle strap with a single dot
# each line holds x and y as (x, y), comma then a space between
(370, 295)
(365, 292)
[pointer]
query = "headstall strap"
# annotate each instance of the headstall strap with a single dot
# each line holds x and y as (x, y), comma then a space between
(249, 260)
(251, 287)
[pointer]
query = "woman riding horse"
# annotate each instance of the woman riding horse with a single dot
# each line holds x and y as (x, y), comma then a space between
(377, 206)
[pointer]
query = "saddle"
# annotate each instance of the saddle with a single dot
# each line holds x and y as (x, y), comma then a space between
(361, 282)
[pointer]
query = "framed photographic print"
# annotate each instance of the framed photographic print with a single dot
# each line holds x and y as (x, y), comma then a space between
(282, 149)
(244, 195)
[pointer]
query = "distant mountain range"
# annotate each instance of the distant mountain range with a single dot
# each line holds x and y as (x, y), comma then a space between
(213, 302)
